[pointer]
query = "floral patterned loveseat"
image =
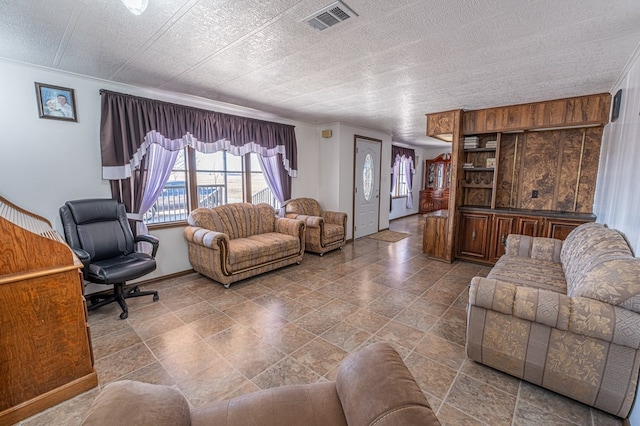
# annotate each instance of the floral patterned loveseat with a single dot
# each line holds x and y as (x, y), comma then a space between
(239, 240)
(563, 315)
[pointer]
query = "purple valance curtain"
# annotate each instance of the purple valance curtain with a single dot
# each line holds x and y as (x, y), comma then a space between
(398, 151)
(129, 124)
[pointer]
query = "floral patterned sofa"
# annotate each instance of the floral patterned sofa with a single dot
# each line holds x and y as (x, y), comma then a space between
(563, 315)
(239, 240)
(326, 230)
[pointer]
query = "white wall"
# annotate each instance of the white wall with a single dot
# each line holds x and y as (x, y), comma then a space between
(335, 180)
(44, 163)
(617, 200)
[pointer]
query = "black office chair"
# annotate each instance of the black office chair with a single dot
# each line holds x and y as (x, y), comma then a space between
(99, 234)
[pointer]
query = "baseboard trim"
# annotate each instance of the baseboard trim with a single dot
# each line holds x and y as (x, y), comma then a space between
(164, 277)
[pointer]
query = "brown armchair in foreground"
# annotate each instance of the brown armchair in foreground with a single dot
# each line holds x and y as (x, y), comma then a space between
(326, 230)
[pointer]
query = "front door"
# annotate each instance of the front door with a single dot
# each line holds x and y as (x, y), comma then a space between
(367, 190)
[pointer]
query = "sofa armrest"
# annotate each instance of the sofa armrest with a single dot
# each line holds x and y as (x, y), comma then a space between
(295, 227)
(127, 402)
(336, 218)
(206, 237)
(376, 387)
(492, 294)
(539, 248)
(580, 315)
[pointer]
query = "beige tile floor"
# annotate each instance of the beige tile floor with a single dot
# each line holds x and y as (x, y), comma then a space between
(295, 325)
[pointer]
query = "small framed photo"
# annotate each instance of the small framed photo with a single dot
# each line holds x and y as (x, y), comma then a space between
(491, 163)
(615, 109)
(57, 103)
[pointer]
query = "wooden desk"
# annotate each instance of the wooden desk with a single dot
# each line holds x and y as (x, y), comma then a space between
(45, 349)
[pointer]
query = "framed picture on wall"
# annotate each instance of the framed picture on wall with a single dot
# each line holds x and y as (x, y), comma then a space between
(57, 103)
(615, 109)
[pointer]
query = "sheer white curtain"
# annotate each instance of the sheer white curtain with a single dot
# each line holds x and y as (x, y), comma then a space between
(408, 173)
(409, 170)
(271, 171)
(160, 162)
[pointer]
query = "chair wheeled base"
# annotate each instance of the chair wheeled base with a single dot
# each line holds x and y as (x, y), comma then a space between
(120, 293)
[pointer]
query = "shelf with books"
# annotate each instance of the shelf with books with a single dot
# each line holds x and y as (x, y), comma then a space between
(479, 166)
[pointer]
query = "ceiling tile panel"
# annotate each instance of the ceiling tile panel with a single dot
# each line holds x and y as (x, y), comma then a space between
(384, 69)
(210, 29)
(32, 31)
(106, 35)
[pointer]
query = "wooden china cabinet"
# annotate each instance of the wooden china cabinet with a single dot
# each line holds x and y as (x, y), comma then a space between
(437, 179)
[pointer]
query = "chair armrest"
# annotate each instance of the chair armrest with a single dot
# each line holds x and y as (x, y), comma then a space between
(310, 221)
(336, 218)
(290, 226)
(580, 315)
(539, 248)
(375, 387)
(85, 258)
(145, 238)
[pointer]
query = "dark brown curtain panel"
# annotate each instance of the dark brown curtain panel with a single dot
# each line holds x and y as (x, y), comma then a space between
(129, 124)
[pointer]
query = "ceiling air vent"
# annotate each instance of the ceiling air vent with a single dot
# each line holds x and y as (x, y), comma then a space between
(330, 15)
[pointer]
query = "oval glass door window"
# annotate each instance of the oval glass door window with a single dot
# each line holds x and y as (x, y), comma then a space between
(367, 177)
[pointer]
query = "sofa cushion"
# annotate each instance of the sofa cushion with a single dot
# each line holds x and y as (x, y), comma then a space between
(534, 247)
(614, 281)
(237, 220)
(128, 402)
(314, 404)
(333, 233)
(586, 246)
(525, 271)
(304, 206)
(261, 248)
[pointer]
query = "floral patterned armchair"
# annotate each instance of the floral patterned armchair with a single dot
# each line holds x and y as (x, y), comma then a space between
(325, 231)
(563, 315)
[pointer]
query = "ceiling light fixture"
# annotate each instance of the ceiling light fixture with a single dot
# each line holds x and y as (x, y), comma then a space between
(137, 7)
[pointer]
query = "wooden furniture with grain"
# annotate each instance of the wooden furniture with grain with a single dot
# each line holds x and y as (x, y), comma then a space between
(537, 178)
(447, 126)
(483, 232)
(437, 180)
(435, 235)
(45, 349)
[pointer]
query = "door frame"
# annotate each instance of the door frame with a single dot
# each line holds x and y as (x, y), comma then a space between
(378, 175)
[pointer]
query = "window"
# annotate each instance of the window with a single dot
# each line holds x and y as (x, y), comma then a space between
(400, 188)
(209, 180)
(367, 177)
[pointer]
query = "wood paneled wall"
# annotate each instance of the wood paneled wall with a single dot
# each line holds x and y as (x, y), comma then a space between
(560, 164)
(568, 112)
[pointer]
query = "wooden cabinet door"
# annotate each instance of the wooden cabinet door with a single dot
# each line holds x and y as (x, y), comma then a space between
(474, 235)
(502, 227)
(531, 226)
(559, 228)
(425, 201)
(435, 236)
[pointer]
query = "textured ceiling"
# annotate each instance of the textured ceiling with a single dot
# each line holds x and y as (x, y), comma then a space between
(383, 70)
